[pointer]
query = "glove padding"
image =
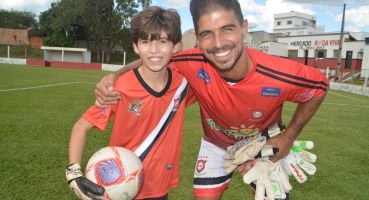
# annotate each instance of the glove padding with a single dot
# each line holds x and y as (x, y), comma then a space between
(299, 160)
(241, 152)
(244, 150)
(81, 186)
(269, 179)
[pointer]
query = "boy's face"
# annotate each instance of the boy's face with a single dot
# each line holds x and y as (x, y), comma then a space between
(155, 54)
(220, 37)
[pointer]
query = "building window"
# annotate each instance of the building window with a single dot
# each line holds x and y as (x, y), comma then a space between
(279, 23)
(289, 22)
(304, 23)
(288, 33)
(320, 53)
(292, 53)
(335, 53)
(300, 33)
(15, 39)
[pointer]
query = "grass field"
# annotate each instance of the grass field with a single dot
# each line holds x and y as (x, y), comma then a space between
(38, 107)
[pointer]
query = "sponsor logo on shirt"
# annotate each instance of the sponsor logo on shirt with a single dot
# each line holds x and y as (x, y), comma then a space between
(238, 133)
(270, 92)
(135, 107)
(305, 95)
(204, 75)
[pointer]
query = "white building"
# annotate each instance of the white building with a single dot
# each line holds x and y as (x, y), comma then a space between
(295, 23)
(322, 50)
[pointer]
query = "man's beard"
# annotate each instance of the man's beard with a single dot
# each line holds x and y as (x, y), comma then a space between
(222, 49)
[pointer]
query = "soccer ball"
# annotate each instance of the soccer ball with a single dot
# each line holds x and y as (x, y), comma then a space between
(118, 170)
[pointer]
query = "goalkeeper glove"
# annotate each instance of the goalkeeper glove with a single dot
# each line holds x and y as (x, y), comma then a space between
(81, 186)
(263, 154)
(244, 150)
(269, 179)
(241, 152)
(299, 160)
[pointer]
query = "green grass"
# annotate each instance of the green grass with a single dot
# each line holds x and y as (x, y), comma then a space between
(35, 126)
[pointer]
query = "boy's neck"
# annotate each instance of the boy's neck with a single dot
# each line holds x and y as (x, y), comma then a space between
(155, 80)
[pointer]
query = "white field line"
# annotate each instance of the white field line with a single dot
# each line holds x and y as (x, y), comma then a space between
(43, 86)
(349, 105)
(346, 96)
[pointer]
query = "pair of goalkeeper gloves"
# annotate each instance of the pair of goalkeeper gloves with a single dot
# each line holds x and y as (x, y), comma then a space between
(269, 176)
(81, 186)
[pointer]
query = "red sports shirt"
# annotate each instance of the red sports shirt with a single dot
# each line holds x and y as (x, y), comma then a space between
(234, 112)
(138, 116)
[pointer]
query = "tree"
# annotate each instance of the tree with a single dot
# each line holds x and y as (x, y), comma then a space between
(17, 19)
(102, 21)
(57, 34)
(145, 3)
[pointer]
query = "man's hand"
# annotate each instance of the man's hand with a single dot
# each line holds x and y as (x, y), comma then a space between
(283, 143)
(104, 91)
(269, 179)
(81, 186)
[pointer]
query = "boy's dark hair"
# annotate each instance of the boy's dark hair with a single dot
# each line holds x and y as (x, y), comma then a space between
(199, 8)
(150, 22)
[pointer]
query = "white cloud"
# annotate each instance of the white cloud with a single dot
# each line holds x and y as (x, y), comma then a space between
(35, 6)
(176, 4)
(357, 18)
(329, 13)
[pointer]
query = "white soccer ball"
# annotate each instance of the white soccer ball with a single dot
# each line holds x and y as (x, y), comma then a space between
(118, 170)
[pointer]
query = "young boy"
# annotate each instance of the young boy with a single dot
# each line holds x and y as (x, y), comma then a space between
(148, 119)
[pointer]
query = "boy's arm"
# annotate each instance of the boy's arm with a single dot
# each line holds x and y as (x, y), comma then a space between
(104, 91)
(78, 140)
(80, 185)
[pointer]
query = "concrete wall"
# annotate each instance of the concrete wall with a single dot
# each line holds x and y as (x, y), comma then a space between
(110, 67)
(365, 67)
(75, 65)
(13, 61)
(188, 40)
(356, 89)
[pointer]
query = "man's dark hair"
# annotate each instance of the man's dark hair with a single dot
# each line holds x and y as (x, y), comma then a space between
(150, 22)
(203, 7)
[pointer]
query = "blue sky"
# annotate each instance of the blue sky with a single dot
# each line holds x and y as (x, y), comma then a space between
(260, 12)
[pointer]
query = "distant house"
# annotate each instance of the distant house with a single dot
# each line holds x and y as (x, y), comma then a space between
(188, 40)
(28, 36)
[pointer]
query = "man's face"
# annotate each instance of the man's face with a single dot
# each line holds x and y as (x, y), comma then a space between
(220, 37)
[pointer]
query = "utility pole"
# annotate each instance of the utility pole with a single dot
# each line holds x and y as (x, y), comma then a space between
(338, 69)
(145, 4)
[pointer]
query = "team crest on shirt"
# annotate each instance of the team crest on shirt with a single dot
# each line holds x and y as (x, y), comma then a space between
(135, 107)
(200, 165)
(176, 102)
(257, 114)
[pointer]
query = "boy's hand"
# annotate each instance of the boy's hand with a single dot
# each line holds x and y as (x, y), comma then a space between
(104, 91)
(81, 186)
